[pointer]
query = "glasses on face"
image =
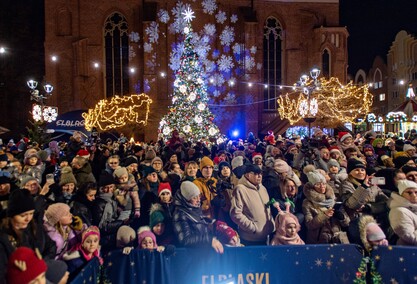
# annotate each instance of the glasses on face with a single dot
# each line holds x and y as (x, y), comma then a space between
(256, 174)
(320, 184)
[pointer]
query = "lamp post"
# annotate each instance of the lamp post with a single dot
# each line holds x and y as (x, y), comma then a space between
(309, 106)
(40, 111)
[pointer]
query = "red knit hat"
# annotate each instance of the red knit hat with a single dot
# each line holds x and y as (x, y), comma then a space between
(164, 187)
(224, 232)
(24, 265)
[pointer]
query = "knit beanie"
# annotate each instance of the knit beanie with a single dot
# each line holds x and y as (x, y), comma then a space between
(368, 147)
(164, 187)
(406, 169)
(92, 230)
(401, 161)
(55, 212)
(56, 270)
(144, 232)
(5, 177)
(354, 164)
(206, 162)
(24, 265)
(333, 163)
(120, 171)
(67, 176)
(130, 160)
(125, 235)
(237, 162)
(224, 164)
(408, 147)
(26, 179)
(150, 154)
(20, 201)
(343, 136)
(315, 177)
(224, 233)
(43, 155)
(156, 159)
(374, 232)
(157, 215)
(404, 184)
(147, 170)
(376, 141)
(283, 219)
(106, 179)
(189, 190)
(281, 166)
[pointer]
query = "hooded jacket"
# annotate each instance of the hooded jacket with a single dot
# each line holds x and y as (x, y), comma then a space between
(250, 212)
(403, 219)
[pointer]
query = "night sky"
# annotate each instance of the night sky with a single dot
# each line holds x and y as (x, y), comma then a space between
(373, 25)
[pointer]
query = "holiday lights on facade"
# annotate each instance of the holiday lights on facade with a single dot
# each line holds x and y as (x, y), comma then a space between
(325, 100)
(118, 112)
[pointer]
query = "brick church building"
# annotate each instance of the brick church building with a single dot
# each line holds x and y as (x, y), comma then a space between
(104, 48)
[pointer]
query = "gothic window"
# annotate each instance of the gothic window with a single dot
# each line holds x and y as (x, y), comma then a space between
(116, 49)
(325, 59)
(272, 62)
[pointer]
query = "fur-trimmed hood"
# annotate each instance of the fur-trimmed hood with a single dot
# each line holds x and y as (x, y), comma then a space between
(363, 221)
(312, 195)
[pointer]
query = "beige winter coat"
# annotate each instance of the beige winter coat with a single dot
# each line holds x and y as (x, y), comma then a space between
(250, 213)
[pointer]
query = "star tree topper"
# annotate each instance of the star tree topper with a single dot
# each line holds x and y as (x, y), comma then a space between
(188, 15)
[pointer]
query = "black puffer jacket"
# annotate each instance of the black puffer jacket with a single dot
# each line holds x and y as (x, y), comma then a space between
(191, 229)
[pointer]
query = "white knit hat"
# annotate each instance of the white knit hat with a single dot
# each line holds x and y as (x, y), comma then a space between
(408, 147)
(315, 177)
(189, 190)
(404, 184)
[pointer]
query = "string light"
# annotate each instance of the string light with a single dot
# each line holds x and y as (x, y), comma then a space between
(336, 103)
(118, 112)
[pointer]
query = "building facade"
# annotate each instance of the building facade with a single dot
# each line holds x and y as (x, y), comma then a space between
(108, 48)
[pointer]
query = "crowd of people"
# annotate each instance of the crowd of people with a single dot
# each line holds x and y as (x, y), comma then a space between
(65, 203)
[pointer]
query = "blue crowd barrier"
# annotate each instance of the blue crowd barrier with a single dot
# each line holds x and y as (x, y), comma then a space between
(254, 265)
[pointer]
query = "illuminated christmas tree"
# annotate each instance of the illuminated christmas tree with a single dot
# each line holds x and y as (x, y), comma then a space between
(189, 113)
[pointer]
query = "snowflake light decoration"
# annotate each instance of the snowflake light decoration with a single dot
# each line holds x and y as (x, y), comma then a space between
(188, 15)
(227, 36)
(50, 113)
(37, 112)
(163, 16)
(209, 6)
(221, 17)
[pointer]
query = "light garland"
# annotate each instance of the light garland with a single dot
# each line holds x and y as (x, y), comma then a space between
(118, 112)
(398, 116)
(336, 103)
(371, 118)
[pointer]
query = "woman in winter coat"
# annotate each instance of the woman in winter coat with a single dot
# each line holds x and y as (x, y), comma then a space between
(191, 229)
(324, 222)
(84, 201)
(403, 214)
(359, 196)
(19, 228)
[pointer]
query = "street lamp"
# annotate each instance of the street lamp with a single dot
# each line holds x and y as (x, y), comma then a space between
(309, 107)
(41, 112)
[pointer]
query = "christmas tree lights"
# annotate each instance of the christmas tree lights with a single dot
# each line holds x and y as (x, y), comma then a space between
(189, 113)
(118, 112)
(336, 103)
